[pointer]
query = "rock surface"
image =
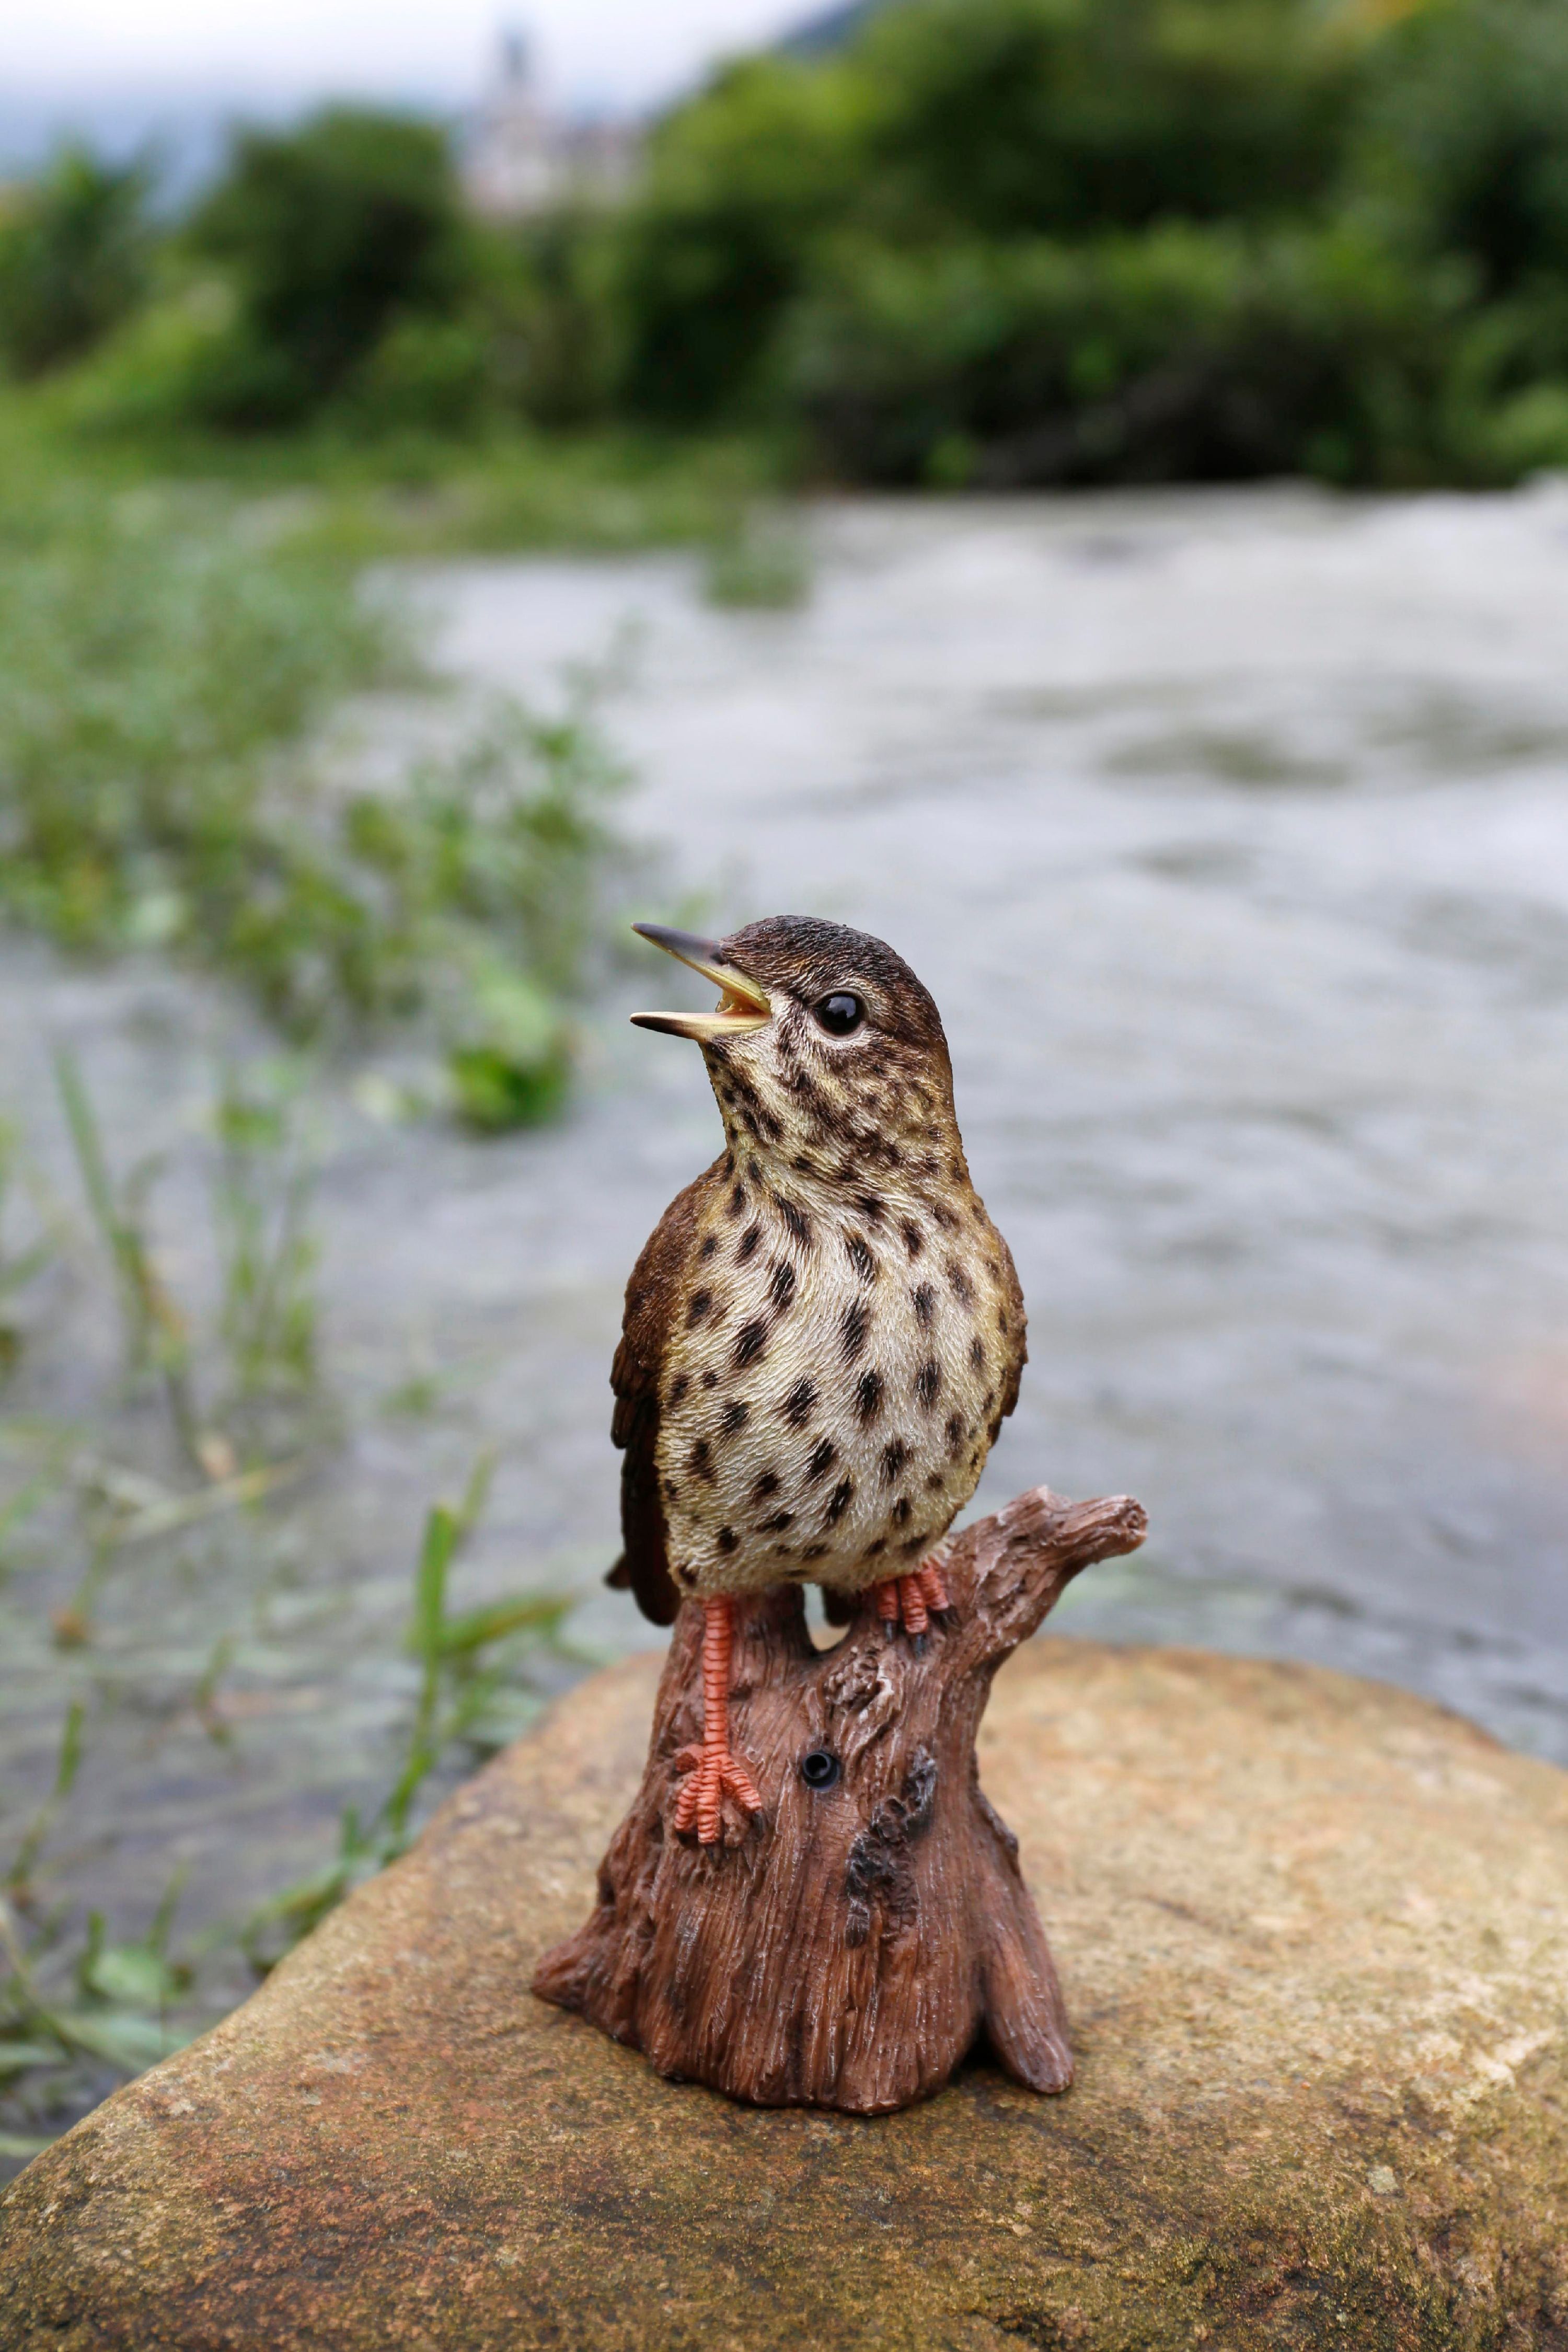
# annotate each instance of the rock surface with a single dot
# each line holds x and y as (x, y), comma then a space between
(1313, 1935)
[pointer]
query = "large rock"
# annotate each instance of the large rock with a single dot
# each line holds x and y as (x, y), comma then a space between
(1314, 1939)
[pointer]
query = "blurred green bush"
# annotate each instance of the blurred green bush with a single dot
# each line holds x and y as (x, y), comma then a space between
(986, 241)
(344, 243)
(74, 249)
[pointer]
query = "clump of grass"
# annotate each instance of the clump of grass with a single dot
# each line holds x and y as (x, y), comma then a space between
(761, 563)
(18, 1267)
(459, 1683)
(156, 1335)
(72, 2006)
(260, 1351)
(80, 2006)
(159, 657)
(262, 1193)
(170, 664)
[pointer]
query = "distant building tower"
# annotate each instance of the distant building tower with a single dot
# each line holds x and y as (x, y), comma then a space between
(524, 159)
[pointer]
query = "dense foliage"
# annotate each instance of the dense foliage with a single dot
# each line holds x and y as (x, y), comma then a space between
(989, 241)
(73, 260)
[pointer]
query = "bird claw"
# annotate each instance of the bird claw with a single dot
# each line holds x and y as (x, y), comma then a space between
(711, 1774)
(915, 1601)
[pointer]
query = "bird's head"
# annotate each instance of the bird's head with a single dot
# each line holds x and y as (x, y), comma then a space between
(826, 1053)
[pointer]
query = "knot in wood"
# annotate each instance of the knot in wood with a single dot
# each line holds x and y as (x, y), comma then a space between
(878, 1864)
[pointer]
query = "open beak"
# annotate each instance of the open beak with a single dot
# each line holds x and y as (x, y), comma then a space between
(743, 1006)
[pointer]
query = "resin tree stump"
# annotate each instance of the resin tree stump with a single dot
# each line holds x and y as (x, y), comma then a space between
(846, 1947)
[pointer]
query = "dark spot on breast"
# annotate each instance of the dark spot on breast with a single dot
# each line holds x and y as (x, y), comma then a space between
(687, 1575)
(768, 1484)
(736, 1201)
(935, 1483)
(678, 1387)
(853, 1327)
(709, 1380)
(783, 1286)
(671, 1490)
(701, 1300)
(914, 1240)
(824, 1455)
(797, 1406)
(954, 1432)
(749, 1341)
(814, 1551)
(925, 1305)
(1002, 1322)
(977, 1354)
(747, 1244)
(869, 1395)
(797, 1221)
(990, 1399)
(860, 1258)
(839, 1500)
(777, 1524)
(928, 1382)
(869, 1205)
(943, 1216)
(709, 1246)
(728, 1539)
(913, 1543)
(735, 1415)
(902, 1510)
(894, 1457)
(962, 1288)
(700, 1462)
(873, 1549)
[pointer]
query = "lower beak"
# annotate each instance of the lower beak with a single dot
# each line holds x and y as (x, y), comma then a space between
(743, 1006)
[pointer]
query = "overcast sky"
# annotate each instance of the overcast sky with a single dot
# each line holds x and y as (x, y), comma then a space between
(621, 53)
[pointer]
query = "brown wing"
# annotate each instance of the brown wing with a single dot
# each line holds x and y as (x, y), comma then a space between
(652, 1299)
(1017, 1333)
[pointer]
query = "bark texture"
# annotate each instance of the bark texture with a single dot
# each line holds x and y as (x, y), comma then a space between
(847, 1947)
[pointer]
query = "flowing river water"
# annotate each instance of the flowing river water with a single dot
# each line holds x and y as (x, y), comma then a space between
(1230, 832)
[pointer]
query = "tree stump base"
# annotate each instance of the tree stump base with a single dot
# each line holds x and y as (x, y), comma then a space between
(846, 1947)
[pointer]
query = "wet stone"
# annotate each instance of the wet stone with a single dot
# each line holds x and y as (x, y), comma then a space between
(1314, 1935)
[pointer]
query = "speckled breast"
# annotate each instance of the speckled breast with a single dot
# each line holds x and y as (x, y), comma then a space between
(835, 1387)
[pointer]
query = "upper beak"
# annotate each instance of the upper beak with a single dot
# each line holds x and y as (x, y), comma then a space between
(741, 1007)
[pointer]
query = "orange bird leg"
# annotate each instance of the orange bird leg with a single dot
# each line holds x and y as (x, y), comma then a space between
(712, 1772)
(913, 1601)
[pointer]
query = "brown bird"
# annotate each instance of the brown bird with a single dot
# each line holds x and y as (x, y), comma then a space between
(825, 1330)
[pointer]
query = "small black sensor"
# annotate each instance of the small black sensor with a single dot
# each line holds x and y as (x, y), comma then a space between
(819, 1768)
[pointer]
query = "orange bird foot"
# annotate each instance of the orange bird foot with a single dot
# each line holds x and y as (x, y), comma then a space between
(711, 1775)
(913, 1601)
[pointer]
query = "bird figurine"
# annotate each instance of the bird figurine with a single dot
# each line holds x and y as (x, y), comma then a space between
(824, 1331)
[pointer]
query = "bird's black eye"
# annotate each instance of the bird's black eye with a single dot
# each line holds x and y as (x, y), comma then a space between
(840, 1013)
(819, 1768)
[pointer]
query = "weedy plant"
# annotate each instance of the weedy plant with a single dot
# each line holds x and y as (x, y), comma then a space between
(20, 1267)
(155, 1332)
(262, 1192)
(260, 1352)
(455, 1704)
(72, 2008)
(170, 664)
(80, 2007)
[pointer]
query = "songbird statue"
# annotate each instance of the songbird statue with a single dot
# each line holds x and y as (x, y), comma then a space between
(824, 1331)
